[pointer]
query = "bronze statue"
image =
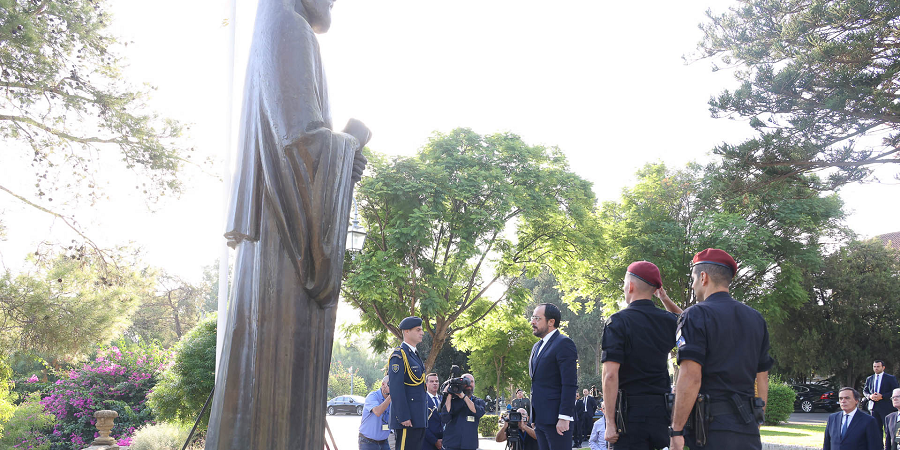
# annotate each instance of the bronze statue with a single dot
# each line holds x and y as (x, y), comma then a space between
(288, 221)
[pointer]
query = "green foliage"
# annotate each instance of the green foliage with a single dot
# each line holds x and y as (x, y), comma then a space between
(780, 403)
(500, 345)
(160, 436)
(28, 426)
(466, 213)
(339, 381)
(582, 321)
(364, 364)
(167, 314)
(447, 356)
(815, 78)
(6, 397)
(669, 215)
(488, 426)
(850, 320)
(64, 97)
(184, 387)
(54, 308)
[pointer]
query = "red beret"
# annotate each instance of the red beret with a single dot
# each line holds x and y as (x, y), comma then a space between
(717, 257)
(647, 272)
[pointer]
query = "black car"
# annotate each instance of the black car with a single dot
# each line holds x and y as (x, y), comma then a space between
(814, 396)
(349, 404)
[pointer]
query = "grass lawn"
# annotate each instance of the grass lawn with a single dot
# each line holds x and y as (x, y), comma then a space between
(794, 434)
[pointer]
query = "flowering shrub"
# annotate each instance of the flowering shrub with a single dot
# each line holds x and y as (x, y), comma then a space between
(116, 379)
(28, 427)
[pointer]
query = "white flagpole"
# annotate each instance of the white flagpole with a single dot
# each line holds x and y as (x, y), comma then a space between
(226, 182)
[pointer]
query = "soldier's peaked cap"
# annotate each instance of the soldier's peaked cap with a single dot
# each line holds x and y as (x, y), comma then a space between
(410, 323)
(647, 272)
(717, 257)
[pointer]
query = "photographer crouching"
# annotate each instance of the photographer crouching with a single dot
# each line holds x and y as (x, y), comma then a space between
(517, 431)
(461, 413)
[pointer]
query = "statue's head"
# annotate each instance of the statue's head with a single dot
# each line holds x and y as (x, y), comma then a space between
(316, 12)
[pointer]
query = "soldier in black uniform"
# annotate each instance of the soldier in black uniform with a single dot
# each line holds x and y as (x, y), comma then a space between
(636, 343)
(406, 375)
(723, 347)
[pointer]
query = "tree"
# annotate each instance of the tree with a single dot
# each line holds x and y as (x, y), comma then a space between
(851, 319)
(167, 314)
(582, 321)
(818, 81)
(467, 215)
(354, 355)
(500, 345)
(66, 304)
(339, 381)
(65, 98)
(669, 215)
(184, 387)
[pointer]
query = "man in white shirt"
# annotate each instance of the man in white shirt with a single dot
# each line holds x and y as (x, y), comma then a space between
(597, 440)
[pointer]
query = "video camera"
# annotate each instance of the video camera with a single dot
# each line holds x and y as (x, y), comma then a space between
(513, 418)
(456, 384)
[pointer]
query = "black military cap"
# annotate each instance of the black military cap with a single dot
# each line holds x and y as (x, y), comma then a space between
(410, 323)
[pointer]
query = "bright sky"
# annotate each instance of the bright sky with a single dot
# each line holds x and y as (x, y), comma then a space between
(604, 81)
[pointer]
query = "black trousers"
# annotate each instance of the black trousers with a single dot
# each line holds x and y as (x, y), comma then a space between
(587, 424)
(644, 436)
(725, 439)
(409, 438)
(549, 439)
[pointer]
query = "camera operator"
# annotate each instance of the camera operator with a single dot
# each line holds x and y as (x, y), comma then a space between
(525, 430)
(460, 415)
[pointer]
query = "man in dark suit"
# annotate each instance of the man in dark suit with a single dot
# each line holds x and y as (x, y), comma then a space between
(849, 428)
(891, 437)
(434, 431)
(554, 380)
(878, 388)
(576, 423)
(589, 406)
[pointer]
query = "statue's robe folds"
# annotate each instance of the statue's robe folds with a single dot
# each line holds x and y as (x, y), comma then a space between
(288, 221)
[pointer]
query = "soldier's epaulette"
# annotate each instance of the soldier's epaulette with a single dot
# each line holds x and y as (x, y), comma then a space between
(397, 352)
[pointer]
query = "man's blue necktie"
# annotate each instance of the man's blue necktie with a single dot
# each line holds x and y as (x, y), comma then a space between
(537, 349)
(844, 426)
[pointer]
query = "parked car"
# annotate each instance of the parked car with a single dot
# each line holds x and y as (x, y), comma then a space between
(814, 396)
(349, 404)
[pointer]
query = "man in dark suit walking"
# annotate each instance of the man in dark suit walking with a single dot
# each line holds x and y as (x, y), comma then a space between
(554, 380)
(878, 388)
(849, 428)
(891, 435)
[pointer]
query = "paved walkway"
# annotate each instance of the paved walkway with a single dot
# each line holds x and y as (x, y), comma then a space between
(809, 418)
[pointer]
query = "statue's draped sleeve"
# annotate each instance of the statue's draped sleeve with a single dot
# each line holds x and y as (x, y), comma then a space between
(289, 157)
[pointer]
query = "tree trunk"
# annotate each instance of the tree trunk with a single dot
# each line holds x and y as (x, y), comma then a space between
(597, 360)
(437, 343)
(499, 366)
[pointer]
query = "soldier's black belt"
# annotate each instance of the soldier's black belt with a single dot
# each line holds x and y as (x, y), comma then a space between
(646, 400)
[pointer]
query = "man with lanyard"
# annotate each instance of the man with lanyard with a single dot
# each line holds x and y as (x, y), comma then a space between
(434, 432)
(374, 427)
(635, 346)
(723, 348)
(406, 374)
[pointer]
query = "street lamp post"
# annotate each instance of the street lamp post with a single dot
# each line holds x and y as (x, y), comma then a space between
(350, 370)
(356, 234)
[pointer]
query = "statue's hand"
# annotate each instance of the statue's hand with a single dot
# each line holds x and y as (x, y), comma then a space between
(360, 131)
(359, 165)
